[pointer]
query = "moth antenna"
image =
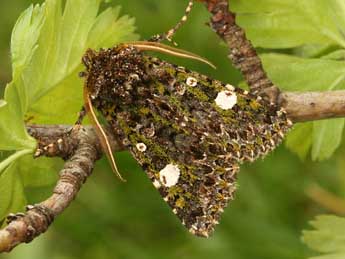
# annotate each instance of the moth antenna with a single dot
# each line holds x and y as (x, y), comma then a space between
(170, 33)
(100, 133)
(159, 47)
(184, 18)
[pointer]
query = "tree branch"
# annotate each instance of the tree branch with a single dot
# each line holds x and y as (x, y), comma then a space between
(310, 106)
(242, 53)
(57, 140)
(300, 106)
(81, 148)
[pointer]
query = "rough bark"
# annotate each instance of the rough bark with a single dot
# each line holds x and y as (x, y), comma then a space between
(81, 148)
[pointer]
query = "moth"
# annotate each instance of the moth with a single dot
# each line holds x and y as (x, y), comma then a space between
(189, 132)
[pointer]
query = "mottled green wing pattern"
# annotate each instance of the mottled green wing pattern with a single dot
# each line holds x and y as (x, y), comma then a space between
(188, 132)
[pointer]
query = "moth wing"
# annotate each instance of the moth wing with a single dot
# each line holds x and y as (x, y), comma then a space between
(198, 205)
(190, 168)
(196, 192)
(189, 133)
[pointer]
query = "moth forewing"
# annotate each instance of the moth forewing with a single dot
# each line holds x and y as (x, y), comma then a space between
(188, 132)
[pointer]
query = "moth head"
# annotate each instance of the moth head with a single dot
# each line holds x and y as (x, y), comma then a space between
(95, 82)
(109, 72)
(89, 62)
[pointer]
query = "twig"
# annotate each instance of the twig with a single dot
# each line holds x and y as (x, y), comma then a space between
(326, 199)
(309, 106)
(242, 53)
(57, 140)
(300, 106)
(85, 150)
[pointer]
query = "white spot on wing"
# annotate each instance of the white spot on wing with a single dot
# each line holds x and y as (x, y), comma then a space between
(169, 175)
(141, 147)
(180, 89)
(226, 99)
(191, 81)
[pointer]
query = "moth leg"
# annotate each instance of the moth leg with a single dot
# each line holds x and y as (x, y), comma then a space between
(81, 116)
(170, 33)
(101, 134)
(77, 124)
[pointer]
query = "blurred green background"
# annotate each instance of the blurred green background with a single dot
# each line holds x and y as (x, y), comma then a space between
(110, 219)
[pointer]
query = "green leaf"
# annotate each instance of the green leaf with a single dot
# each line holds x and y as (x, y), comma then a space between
(13, 135)
(302, 74)
(2, 103)
(39, 172)
(24, 43)
(22, 173)
(52, 108)
(312, 50)
(313, 28)
(300, 140)
(289, 23)
(61, 45)
(336, 55)
(327, 136)
(46, 48)
(107, 30)
(5, 163)
(12, 197)
(328, 237)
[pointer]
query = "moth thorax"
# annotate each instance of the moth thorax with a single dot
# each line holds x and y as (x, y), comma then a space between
(113, 72)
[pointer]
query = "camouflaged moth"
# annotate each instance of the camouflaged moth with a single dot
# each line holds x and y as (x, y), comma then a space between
(189, 132)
